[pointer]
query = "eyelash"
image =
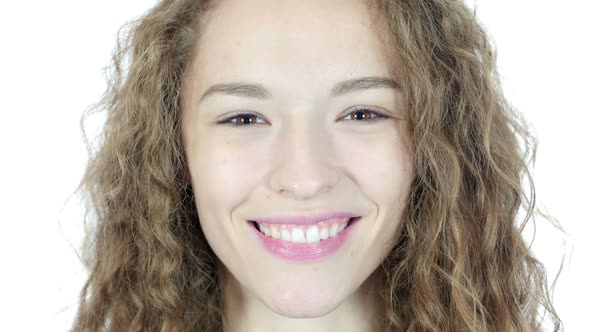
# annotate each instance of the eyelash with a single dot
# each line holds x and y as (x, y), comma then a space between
(378, 117)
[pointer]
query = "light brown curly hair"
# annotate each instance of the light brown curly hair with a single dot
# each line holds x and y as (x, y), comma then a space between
(461, 263)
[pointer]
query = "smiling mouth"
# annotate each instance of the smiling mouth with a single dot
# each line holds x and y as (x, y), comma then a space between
(304, 234)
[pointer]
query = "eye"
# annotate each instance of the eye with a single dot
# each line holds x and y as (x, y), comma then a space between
(243, 119)
(363, 114)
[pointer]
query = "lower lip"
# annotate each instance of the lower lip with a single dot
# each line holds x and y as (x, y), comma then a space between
(301, 252)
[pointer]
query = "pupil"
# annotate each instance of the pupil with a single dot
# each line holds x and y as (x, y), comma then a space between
(245, 117)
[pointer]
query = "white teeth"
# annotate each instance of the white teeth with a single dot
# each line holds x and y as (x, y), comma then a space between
(275, 232)
(324, 233)
(297, 235)
(333, 230)
(265, 230)
(312, 235)
(285, 235)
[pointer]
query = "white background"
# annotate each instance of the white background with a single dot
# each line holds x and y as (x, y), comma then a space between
(51, 59)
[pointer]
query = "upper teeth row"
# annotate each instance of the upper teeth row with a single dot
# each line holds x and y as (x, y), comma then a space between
(312, 234)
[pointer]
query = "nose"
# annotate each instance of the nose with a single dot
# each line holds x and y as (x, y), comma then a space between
(305, 168)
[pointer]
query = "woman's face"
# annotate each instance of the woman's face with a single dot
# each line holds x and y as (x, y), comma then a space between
(306, 149)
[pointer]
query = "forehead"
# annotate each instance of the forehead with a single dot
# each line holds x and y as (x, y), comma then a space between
(278, 40)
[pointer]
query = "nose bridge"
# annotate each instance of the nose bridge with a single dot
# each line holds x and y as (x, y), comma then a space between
(305, 167)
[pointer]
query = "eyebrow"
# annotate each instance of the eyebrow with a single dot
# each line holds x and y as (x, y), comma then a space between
(255, 90)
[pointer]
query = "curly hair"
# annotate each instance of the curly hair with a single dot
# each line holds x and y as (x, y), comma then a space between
(461, 262)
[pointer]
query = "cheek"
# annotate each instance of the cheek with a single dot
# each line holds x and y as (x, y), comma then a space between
(216, 186)
(227, 168)
(382, 166)
(213, 166)
(222, 176)
(383, 170)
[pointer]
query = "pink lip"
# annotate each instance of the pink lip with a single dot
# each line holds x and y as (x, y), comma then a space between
(306, 219)
(301, 252)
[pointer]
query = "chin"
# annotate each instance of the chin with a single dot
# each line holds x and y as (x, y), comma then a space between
(291, 311)
(295, 305)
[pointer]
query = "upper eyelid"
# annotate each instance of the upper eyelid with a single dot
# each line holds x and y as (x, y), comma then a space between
(366, 107)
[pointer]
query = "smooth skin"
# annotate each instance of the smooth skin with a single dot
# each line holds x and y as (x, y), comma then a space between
(301, 152)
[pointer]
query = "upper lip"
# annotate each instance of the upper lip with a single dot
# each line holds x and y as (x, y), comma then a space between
(307, 219)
